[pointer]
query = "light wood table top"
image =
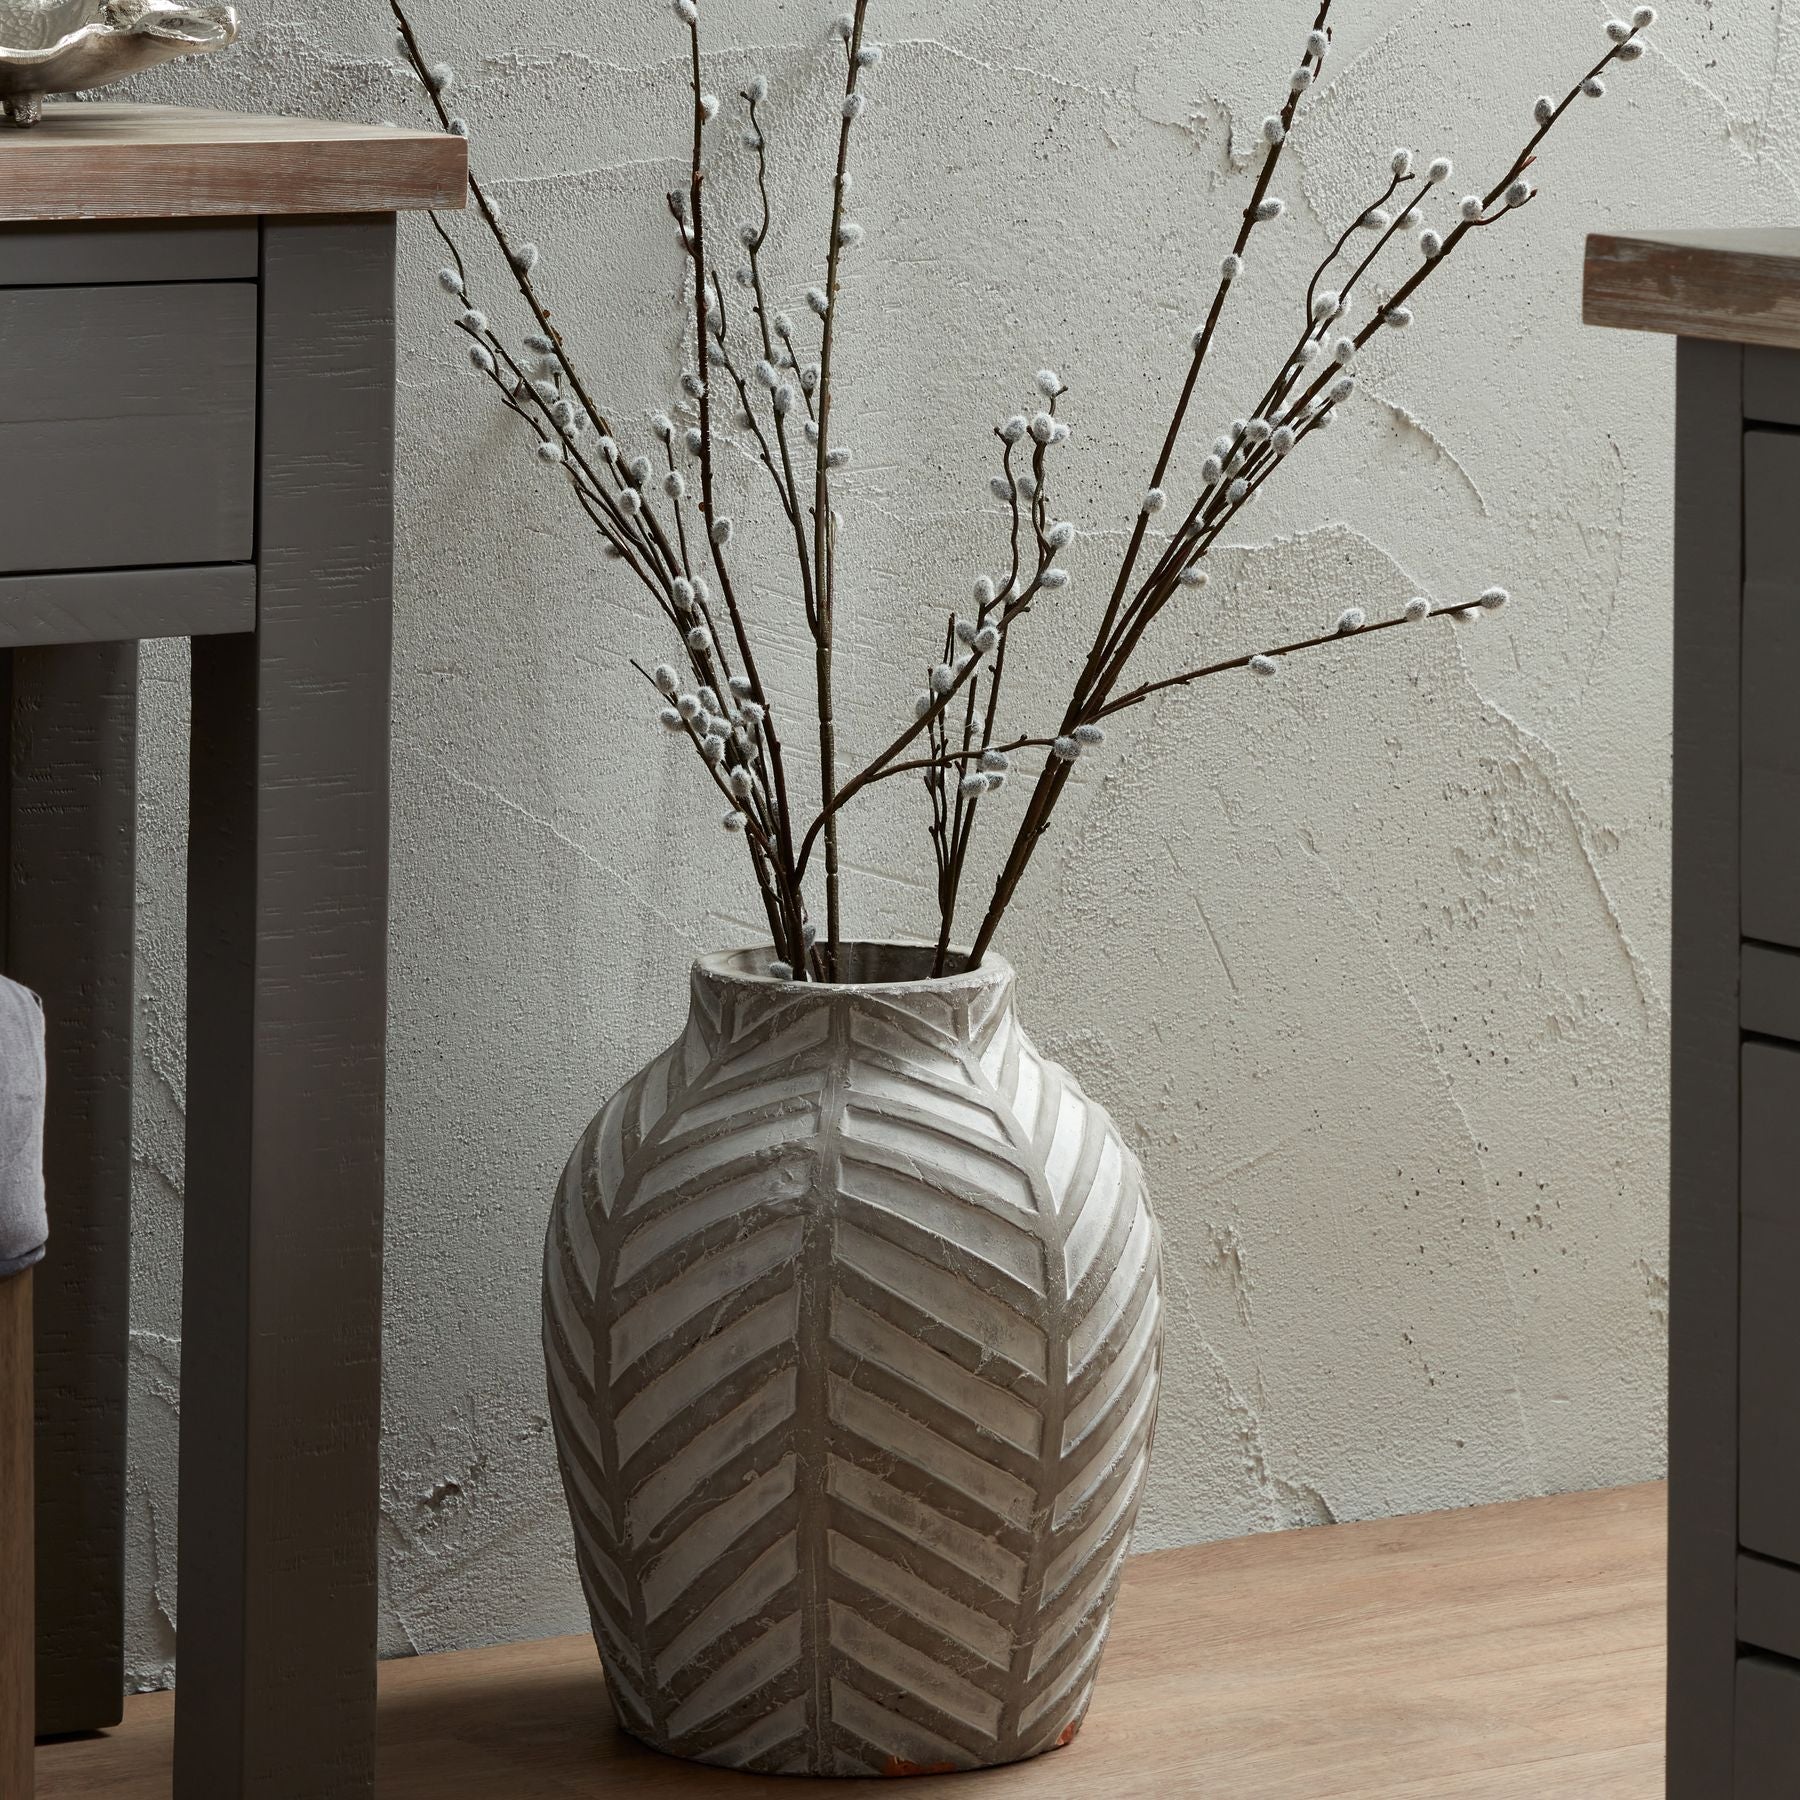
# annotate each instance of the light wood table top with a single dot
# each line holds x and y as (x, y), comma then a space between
(100, 160)
(1739, 286)
(1505, 1653)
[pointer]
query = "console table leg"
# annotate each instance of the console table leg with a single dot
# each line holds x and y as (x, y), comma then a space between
(281, 1355)
(17, 1674)
(70, 915)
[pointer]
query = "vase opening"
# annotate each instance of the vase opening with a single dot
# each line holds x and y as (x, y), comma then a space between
(865, 965)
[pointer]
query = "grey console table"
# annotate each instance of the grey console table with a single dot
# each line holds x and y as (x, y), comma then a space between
(196, 429)
(1732, 299)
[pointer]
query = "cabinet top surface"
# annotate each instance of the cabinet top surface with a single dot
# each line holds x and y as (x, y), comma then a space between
(99, 160)
(1739, 286)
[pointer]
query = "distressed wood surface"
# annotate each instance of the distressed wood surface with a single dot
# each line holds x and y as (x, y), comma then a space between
(287, 944)
(107, 160)
(1504, 1653)
(69, 936)
(18, 1694)
(127, 425)
(853, 1324)
(1703, 1149)
(1739, 287)
(97, 606)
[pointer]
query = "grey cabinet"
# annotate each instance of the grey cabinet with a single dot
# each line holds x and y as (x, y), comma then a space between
(1733, 302)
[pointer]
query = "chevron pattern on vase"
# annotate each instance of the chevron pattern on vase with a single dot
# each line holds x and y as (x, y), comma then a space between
(852, 1323)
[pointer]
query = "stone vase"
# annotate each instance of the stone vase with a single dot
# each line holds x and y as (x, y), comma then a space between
(852, 1321)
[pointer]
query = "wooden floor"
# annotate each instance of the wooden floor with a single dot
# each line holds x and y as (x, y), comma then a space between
(1507, 1653)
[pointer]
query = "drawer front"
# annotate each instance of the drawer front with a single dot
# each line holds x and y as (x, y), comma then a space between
(1768, 1730)
(1769, 1312)
(1771, 695)
(127, 425)
(1769, 1606)
(1771, 384)
(1770, 992)
(80, 253)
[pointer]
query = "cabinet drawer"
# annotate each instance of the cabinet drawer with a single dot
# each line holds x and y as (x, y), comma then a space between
(1768, 1730)
(1771, 692)
(127, 425)
(1769, 1310)
(1771, 384)
(1769, 992)
(83, 253)
(1769, 1606)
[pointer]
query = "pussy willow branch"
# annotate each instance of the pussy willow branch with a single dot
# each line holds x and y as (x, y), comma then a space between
(824, 547)
(1202, 348)
(791, 904)
(754, 258)
(1150, 689)
(1011, 612)
(656, 544)
(1049, 786)
(737, 743)
(1103, 671)
(1007, 606)
(640, 536)
(522, 276)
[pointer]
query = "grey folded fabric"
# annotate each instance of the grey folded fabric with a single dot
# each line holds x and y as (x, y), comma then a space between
(23, 1226)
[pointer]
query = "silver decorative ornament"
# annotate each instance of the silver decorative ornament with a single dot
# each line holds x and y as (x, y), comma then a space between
(66, 46)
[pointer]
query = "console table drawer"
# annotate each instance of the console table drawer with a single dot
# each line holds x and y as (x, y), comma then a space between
(127, 425)
(68, 253)
(1769, 1322)
(1767, 1765)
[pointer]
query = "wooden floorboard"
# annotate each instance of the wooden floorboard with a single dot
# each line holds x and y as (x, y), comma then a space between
(1504, 1653)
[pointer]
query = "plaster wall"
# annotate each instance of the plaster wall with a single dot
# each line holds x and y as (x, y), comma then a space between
(1369, 962)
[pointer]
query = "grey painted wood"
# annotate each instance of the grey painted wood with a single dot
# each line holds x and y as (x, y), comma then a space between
(1771, 798)
(1769, 1605)
(1771, 385)
(71, 252)
(1768, 1730)
(72, 807)
(135, 441)
(287, 943)
(1769, 1328)
(1703, 1156)
(100, 606)
(1771, 991)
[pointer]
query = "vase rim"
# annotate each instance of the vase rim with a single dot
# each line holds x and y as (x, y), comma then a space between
(748, 967)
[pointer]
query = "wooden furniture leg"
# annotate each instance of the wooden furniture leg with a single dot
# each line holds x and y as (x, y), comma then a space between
(18, 1532)
(18, 1677)
(72, 809)
(287, 926)
(1704, 1142)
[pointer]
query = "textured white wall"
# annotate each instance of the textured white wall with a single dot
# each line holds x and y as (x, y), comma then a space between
(1371, 963)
